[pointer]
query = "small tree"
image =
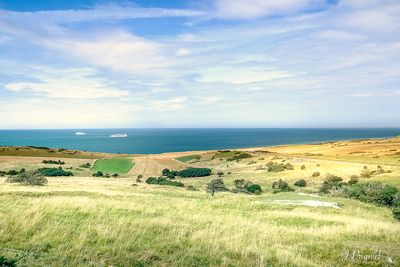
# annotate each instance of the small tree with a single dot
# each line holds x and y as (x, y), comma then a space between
(216, 185)
(301, 183)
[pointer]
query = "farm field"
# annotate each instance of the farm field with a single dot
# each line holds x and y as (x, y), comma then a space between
(90, 221)
(113, 165)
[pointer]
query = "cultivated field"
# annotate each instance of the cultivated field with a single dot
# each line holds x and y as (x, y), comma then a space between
(87, 221)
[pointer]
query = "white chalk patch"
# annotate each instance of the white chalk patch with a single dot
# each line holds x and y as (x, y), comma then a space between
(310, 203)
(309, 195)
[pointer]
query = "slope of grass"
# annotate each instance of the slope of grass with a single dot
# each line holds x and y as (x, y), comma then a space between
(188, 158)
(115, 165)
(108, 222)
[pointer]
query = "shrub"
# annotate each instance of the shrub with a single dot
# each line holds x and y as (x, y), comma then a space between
(220, 174)
(303, 167)
(54, 172)
(281, 186)
(139, 178)
(254, 188)
(245, 186)
(12, 172)
(353, 180)
(28, 178)
(216, 185)
(115, 175)
(239, 156)
(58, 162)
(278, 167)
(106, 175)
(191, 188)
(163, 181)
(195, 172)
(396, 213)
(4, 262)
(316, 174)
(332, 182)
(98, 174)
(374, 192)
(86, 165)
(301, 183)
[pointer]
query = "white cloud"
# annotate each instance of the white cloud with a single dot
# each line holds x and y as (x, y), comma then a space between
(249, 9)
(181, 52)
(119, 51)
(67, 83)
(240, 75)
(168, 104)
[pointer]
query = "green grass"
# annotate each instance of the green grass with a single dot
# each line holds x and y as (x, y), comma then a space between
(113, 165)
(188, 158)
(108, 222)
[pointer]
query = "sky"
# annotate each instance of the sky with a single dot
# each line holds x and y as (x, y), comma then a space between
(199, 63)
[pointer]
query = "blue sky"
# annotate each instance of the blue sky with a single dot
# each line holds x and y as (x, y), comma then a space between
(210, 63)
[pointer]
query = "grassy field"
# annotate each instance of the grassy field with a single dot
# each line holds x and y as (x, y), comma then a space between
(87, 221)
(113, 165)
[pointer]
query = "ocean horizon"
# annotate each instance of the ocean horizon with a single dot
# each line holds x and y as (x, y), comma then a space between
(161, 140)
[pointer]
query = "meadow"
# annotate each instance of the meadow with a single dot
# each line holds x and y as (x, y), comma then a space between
(113, 165)
(89, 221)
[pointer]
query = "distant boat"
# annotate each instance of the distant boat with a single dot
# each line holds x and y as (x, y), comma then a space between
(80, 133)
(119, 135)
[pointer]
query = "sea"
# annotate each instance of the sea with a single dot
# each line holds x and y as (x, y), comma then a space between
(154, 141)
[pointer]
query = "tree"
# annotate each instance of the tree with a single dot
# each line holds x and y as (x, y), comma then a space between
(216, 185)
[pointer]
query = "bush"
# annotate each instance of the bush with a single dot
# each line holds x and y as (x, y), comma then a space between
(303, 167)
(353, 180)
(4, 262)
(216, 185)
(278, 167)
(139, 178)
(316, 174)
(396, 213)
(375, 192)
(301, 183)
(98, 174)
(54, 172)
(254, 188)
(163, 181)
(220, 174)
(28, 178)
(195, 172)
(115, 175)
(86, 165)
(281, 186)
(332, 182)
(239, 156)
(58, 162)
(244, 186)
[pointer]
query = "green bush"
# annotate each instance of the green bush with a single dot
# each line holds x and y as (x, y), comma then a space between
(396, 213)
(239, 156)
(85, 165)
(98, 174)
(54, 172)
(163, 181)
(28, 178)
(278, 167)
(374, 192)
(301, 183)
(245, 186)
(353, 180)
(254, 188)
(331, 183)
(195, 172)
(281, 186)
(4, 262)
(216, 185)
